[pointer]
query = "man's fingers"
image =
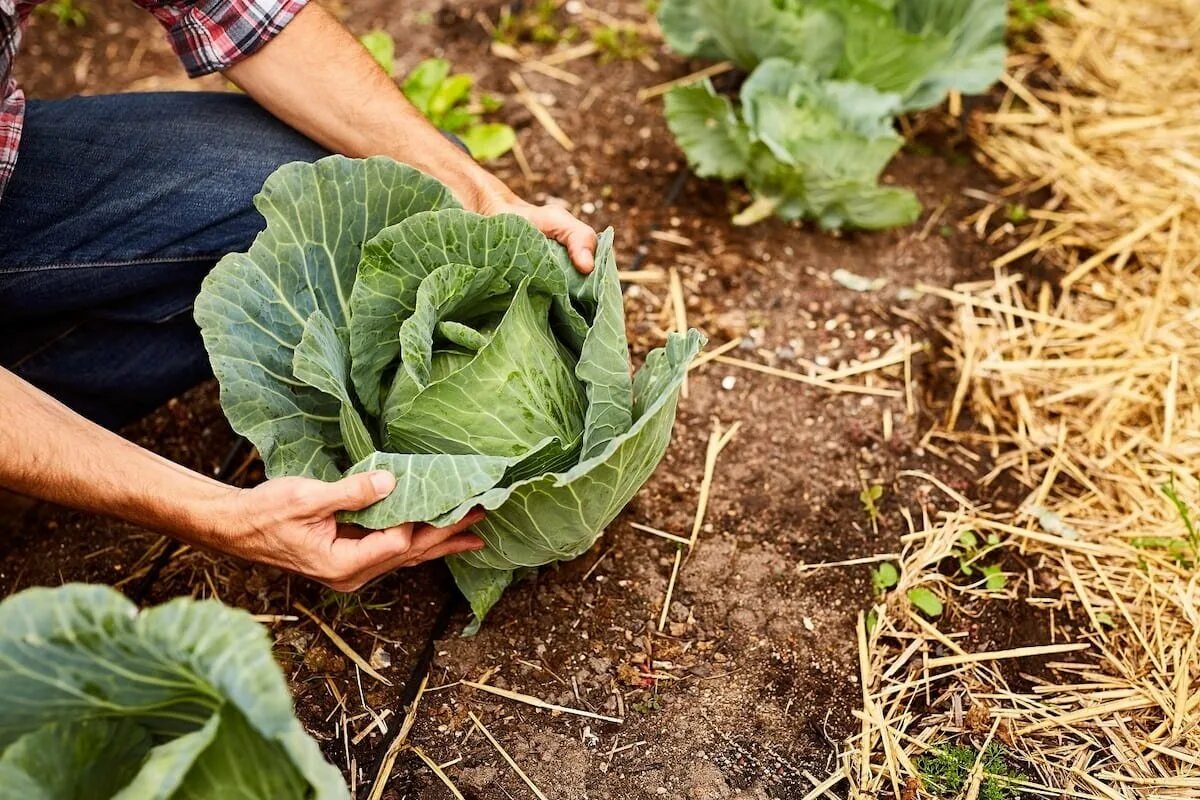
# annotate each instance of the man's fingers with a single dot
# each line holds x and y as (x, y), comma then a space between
(460, 543)
(426, 537)
(355, 561)
(352, 493)
(579, 239)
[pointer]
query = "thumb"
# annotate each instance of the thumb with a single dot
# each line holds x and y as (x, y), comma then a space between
(354, 492)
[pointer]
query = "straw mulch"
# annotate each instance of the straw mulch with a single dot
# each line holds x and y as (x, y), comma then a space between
(1086, 390)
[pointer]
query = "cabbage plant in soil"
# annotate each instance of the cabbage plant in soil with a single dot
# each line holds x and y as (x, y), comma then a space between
(180, 702)
(375, 324)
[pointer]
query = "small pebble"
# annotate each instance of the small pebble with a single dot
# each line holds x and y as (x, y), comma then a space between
(589, 208)
(728, 382)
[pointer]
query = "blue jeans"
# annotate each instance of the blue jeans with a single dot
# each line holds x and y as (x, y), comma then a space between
(119, 206)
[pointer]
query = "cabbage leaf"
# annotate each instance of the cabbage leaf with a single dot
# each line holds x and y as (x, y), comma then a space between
(376, 324)
(917, 49)
(180, 702)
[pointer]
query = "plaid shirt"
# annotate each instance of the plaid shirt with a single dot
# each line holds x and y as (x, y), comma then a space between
(207, 35)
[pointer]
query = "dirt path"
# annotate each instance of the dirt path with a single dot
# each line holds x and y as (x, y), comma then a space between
(753, 681)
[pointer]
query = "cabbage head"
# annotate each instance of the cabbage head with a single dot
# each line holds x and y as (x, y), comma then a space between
(375, 324)
(179, 702)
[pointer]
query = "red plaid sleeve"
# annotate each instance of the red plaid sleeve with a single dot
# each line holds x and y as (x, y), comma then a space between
(210, 35)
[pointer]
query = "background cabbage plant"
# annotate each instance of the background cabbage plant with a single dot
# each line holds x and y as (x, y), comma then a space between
(180, 702)
(917, 49)
(806, 148)
(375, 324)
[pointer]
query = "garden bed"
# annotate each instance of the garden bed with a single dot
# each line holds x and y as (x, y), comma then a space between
(749, 687)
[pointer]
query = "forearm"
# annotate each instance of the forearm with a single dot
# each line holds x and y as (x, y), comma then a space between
(314, 76)
(49, 452)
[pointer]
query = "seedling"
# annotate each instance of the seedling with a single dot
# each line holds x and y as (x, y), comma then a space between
(925, 601)
(869, 497)
(946, 772)
(969, 553)
(1024, 15)
(348, 603)
(446, 100)
(1186, 551)
(619, 43)
(66, 12)
(884, 577)
(382, 47)
(536, 24)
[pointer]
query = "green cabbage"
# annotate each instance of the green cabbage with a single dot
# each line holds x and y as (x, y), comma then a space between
(917, 49)
(376, 324)
(180, 702)
(807, 148)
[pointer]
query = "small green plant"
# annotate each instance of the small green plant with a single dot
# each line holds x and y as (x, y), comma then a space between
(1024, 15)
(925, 601)
(67, 13)
(970, 551)
(446, 100)
(945, 772)
(619, 43)
(382, 47)
(869, 497)
(537, 24)
(346, 604)
(1016, 213)
(1186, 551)
(884, 577)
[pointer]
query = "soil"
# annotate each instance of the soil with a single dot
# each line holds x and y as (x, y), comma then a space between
(752, 684)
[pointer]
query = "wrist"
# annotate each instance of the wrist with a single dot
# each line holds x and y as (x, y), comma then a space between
(215, 517)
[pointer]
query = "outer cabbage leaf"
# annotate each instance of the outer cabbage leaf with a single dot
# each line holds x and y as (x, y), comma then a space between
(463, 353)
(921, 49)
(708, 130)
(175, 702)
(748, 31)
(918, 49)
(253, 306)
(814, 148)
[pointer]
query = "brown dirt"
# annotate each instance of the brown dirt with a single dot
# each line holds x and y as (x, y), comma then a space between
(754, 681)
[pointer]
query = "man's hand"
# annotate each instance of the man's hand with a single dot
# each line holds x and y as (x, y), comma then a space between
(291, 523)
(557, 223)
(316, 77)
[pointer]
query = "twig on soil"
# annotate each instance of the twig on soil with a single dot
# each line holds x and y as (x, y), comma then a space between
(504, 753)
(537, 703)
(519, 154)
(637, 526)
(666, 605)
(377, 721)
(672, 238)
(641, 276)
(850, 562)
(851, 388)
(342, 645)
(592, 568)
(570, 54)
(437, 770)
(717, 440)
(527, 98)
(659, 89)
(397, 744)
(709, 355)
